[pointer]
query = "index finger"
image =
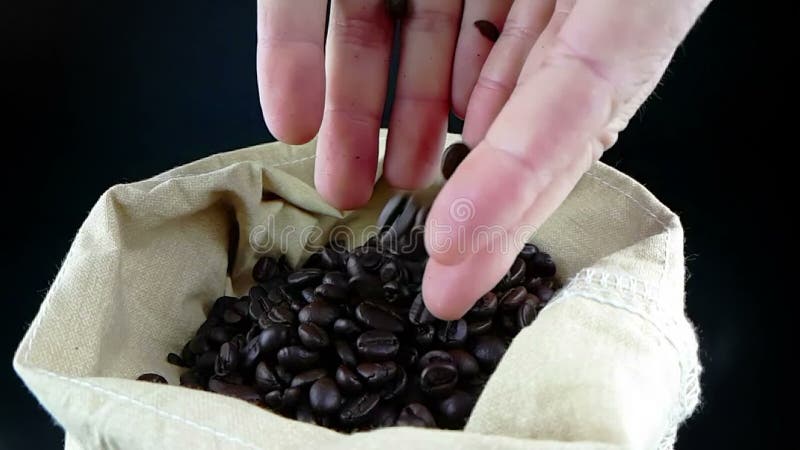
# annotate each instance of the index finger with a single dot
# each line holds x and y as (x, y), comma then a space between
(291, 67)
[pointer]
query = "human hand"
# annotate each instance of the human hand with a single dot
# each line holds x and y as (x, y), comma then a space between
(540, 105)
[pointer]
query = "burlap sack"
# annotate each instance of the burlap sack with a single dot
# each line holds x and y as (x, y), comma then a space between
(610, 363)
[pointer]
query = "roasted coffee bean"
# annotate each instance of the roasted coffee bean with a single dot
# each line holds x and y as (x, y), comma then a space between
(401, 225)
(347, 380)
(176, 360)
(453, 155)
(418, 314)
(233, 378)
(338, 279)
(227, 359)
(296, 304)
(199, 345)
(455, 409)
(307, 378)
(220, 305)
(396, 386)
(278, 295)
(313, 336)
(513, 298)
(274, 399)
(192, 379)
(412, 245)
(370, 258)
(257, 308)
(366, 286)
(421, 217)
(485, 306)
(507, 321)
(152, 378)
(308, 295)
(394, 206)
(488, 30)
(273, 337)
(479, 326)
(219, 335)
(281, 315)
(544, 293)
(320, 312)
(346, 327)
(241, 306)
(541, 265)
(452, 334)
(415, 415)
(515, 275)
(259, 294)
(332, 292)
(324, 396)
(435, 357)
(359, 409)
(407, 355)
(526, 313)
(374, 316)
(232, 317)
(397, 9)
(424, 335)
(304, 414)
(291, 398)
(390, 272)
(205, 362)
(187, 356)
(385, 415)
(330, 259)
(283, 374)
(377, 374)
(528, 250)
(305, 278)
(239, 391)
(345, 353)
(466, 364)
(438, 379)
(377, 345)
(264, 269)
(296, 358)
(391, 290)
(265, 378)
(488, 350)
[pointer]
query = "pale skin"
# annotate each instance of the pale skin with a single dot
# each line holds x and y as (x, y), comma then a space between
(539, 106)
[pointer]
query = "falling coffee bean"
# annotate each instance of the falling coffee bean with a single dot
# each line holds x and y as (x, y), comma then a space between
(488, 30)
(453, 155)
(152, 378)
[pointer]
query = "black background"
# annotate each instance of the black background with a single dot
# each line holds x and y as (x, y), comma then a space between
(97, 93)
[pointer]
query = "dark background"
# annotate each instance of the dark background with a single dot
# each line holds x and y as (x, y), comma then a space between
(96, 93)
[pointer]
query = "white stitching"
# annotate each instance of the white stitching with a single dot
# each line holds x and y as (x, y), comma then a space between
(160, 412)
(639, 204)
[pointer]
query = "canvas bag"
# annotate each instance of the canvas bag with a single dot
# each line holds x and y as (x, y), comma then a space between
(610, 363)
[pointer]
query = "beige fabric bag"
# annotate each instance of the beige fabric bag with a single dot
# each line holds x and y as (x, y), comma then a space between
(611, 363)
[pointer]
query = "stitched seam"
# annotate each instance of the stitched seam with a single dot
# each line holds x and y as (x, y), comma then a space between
(191, 423)
(286, 163)
(630, 197)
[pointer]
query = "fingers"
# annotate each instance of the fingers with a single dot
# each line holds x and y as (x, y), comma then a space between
(549, 132)
(473, 48)
(290, 67)
(497, 79)
(418, 122)
(357, 66)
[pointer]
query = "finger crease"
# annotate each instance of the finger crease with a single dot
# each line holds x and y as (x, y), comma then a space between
(494, 85)
(360, 33)
(280, 41)
(432, 21)
(564, 50)
(354, 115)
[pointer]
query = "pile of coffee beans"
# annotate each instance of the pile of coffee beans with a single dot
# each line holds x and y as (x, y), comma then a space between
(346, 341)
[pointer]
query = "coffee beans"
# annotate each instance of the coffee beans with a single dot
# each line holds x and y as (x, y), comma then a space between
(152, 378)
(488, 30)
(396, 9)
(453, 155)
(347, 341)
